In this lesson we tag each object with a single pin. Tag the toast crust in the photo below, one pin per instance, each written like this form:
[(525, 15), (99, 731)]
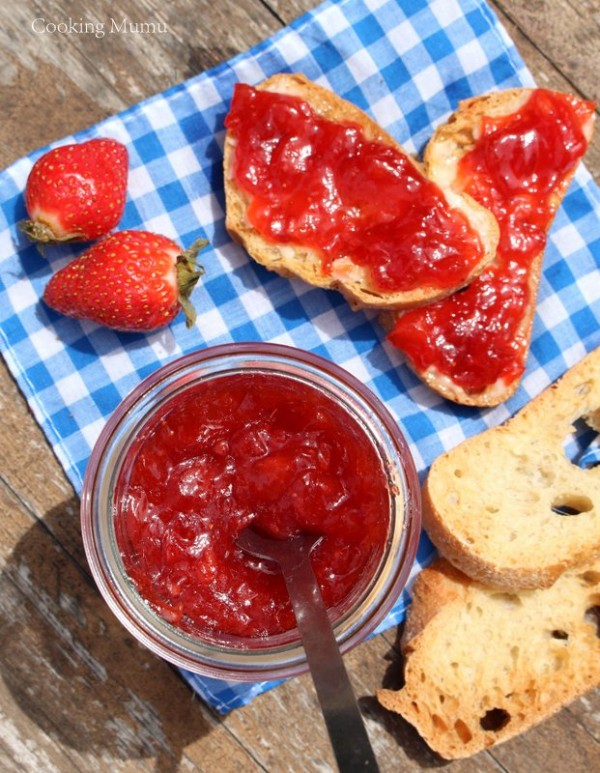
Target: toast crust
[(347, 277), (482, 666), (449, 144), (505, 527)]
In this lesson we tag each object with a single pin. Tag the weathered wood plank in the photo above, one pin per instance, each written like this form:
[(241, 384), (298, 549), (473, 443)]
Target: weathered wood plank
[(30, 469), (566, 32), (289, 10), (556, 745), (53, 84), (23, 747), (587, 712), (75, 684), (47, 90)]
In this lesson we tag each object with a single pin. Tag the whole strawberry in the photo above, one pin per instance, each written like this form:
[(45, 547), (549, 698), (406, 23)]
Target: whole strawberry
[(76, 192), (130, 280)]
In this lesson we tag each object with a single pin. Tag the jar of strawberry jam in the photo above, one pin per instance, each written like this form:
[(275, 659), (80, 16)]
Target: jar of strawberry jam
[(240, 435)]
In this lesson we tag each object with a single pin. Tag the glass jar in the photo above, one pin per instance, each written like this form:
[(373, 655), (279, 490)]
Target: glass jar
[(227, 656)]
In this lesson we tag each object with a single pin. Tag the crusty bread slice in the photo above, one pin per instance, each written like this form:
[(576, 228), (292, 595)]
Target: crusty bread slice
[(351, 279), (482, 666), (448, 145), (508, 507)]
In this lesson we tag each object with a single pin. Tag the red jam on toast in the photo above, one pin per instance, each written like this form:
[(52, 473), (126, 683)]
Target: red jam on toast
[(322, 185), (477, 337)]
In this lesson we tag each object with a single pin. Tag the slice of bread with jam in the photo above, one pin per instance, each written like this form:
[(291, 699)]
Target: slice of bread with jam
[(515, 152), (315, 189)]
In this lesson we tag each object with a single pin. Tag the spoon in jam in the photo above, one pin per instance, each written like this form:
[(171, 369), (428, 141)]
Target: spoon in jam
[(347, 732)]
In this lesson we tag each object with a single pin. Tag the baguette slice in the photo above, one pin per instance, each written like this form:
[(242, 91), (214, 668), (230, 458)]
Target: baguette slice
[(507, 506), (486, 373), (350, 278), (482, 666)]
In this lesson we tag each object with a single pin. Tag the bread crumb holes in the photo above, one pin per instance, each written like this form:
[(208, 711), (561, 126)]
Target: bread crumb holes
[(462, 731), (590, 577), (592, 616), (572, 504), (511, 600), (494, 720)]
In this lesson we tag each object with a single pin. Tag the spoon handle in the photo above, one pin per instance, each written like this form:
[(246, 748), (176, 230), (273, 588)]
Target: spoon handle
[(347, 732)]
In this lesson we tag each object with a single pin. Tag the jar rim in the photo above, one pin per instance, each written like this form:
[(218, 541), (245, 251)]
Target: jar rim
[(283, 655)]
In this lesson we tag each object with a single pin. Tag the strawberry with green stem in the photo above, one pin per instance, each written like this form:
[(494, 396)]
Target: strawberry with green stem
[(130, 280), (76, 192)]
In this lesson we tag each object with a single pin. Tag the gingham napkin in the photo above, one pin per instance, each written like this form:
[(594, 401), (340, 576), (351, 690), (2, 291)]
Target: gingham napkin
[(407, 63)]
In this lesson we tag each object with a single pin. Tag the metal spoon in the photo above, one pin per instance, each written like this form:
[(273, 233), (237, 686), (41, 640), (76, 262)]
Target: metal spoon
[(343, 719)]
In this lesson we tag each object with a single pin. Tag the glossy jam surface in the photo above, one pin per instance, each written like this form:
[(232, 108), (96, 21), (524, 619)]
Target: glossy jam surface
[(475, 336), (323, 185), (247, 448)]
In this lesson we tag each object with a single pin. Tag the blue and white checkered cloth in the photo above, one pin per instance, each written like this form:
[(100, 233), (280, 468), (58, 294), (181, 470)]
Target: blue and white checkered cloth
[(407, 63)]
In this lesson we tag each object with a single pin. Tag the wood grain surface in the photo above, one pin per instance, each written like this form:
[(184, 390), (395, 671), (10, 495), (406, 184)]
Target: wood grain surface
[(76, 692)]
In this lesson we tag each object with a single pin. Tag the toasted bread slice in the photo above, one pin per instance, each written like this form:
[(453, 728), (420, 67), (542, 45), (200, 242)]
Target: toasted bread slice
[(355, 281), (465, 353), (481, 666), (508, 507)]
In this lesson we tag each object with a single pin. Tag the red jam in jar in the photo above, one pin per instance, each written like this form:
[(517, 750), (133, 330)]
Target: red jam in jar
[(517, 168), (323, 185), (247, 448)]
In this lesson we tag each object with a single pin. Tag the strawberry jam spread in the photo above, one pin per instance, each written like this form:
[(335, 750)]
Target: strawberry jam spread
[(247, 448), (323, 185), (516, 169)]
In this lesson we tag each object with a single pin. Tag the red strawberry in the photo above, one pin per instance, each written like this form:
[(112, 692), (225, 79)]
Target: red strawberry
[(131, 280), (76, 192)]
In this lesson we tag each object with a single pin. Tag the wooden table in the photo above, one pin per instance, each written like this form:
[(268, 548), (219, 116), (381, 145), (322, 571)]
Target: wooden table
[(76, 692)]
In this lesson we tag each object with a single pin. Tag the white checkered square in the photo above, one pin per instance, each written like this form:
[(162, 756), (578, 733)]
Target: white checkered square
[(334, 20), (386, 111), (362, 66), (552, 311), (162, 116), (212, 325), (404, 38), (91, 432), (140, 182), (428, 82), (44, 339), (471, 57), (72, 387), (184, 162), (23, 296), (118, 364)]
